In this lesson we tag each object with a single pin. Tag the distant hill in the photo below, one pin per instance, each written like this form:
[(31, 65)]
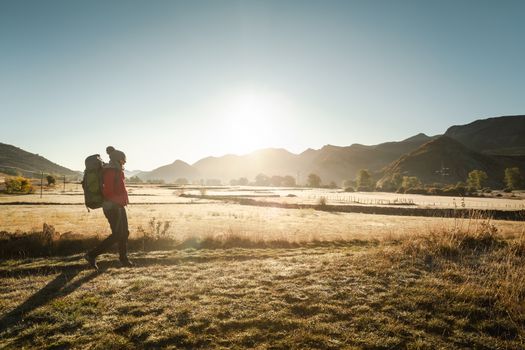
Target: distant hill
[(130, 173), (270, 161), (170, 172), (331, 163), (499, 136), (489, 144), (459, 160), (28, 164), (339, 163)]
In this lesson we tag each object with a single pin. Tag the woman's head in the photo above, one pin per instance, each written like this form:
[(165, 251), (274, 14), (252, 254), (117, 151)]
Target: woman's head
[(115, 155)]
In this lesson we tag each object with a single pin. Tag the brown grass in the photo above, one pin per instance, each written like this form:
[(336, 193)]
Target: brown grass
[(461, 287)]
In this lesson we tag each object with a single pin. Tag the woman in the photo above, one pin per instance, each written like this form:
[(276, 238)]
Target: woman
[(115, 199)]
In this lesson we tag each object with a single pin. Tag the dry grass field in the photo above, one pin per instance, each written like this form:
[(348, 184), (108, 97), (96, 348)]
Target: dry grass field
[(267, 278)]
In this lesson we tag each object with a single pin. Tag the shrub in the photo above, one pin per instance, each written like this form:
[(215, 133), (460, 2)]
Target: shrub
[(416, 190), (321, 201), (411, 182), (262, 180), (181, 181), (513, 178), (332, 184), (135, 179), (18, 185), (507, 190), (314, 180), (289, 181), (435, 191), (50, 180), (364, 179), (457, 190), (476, 179)]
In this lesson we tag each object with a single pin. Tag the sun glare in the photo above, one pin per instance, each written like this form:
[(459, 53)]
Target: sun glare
[(250, 120)]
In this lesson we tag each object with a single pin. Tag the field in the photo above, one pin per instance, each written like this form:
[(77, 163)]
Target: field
[(239, 276)]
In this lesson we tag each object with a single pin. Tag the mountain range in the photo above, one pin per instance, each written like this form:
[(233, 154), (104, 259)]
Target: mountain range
[(14, 160), (489, 144)]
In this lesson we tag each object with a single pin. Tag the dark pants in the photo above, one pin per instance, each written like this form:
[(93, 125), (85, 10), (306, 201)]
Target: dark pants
[(118, 220)]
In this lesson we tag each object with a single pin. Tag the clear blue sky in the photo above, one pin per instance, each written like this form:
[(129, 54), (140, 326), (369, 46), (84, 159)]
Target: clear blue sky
[(166, 80)]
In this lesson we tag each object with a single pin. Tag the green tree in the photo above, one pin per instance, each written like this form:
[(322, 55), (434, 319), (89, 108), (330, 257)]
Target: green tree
[(364, 180), (397, 180), (314, 180), (50, 180), (393, 183), (135, 179), (18, 185), (410, 182), (476, 179), (513, 178)]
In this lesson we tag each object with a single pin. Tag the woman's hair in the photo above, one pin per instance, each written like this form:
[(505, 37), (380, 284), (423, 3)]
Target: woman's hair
[(114, 154)]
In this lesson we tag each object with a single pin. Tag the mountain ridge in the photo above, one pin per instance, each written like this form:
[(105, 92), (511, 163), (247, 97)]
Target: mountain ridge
[(499, 139), (15, 159)]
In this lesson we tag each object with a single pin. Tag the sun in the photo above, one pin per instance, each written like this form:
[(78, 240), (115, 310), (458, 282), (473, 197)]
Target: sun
[(250, 120), (250, 108)]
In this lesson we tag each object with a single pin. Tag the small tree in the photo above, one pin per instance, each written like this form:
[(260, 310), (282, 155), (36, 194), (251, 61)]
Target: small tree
[(277, 180), (512, 178), (289, 181), (476, 179), (181, 181), (410, 182), (349, 184), (135, 179), (314, 180), (262, 180), (363, 180), (18, 185), (393, 183), (397, 180), (243, 181), (50, 180)]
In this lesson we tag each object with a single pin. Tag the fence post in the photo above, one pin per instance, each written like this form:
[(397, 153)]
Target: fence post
[(41, 183)]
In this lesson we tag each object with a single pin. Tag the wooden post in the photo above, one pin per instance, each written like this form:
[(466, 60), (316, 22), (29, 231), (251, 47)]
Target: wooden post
[(64, 183), (41, 183)]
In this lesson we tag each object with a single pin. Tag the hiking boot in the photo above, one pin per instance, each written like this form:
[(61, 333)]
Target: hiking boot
[(92, 261), (126, 263)]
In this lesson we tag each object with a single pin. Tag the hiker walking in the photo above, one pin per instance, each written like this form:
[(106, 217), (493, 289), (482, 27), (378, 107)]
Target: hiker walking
[(115, 199)]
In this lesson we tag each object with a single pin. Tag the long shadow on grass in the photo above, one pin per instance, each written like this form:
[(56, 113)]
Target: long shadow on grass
[(212, 252), (58, 287)]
